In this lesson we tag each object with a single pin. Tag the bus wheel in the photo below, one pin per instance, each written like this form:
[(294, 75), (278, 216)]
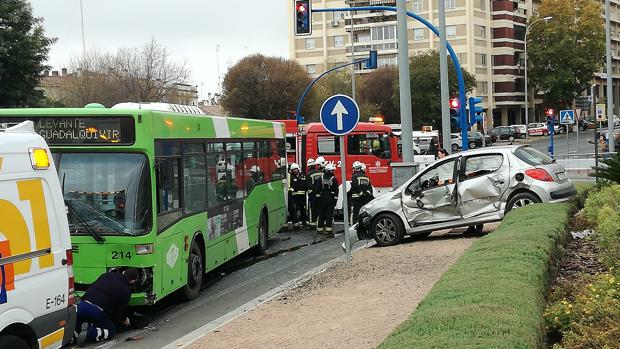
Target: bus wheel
[(262, 234), (13, 342), (195, 272)]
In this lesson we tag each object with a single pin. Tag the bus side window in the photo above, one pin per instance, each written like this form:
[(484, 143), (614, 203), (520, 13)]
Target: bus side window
[(194, 178), (216, 174), (168, 192)]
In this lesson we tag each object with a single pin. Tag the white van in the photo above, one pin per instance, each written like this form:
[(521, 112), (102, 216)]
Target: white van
[(36, 275)]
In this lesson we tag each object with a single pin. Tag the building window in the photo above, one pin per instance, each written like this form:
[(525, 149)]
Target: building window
[(383, 33), (311, 69), (481, 59), (450, 4), (418, 34), (483, 87), (483, 4), (310, 44), (481, 31), (418, 6), (362, 37), (339, 41), (383, 61), (450, 30)]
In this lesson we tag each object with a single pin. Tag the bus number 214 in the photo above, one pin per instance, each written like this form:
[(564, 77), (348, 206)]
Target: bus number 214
[(121, 255)]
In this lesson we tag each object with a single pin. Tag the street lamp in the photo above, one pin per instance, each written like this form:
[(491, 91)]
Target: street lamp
[(527, 106)]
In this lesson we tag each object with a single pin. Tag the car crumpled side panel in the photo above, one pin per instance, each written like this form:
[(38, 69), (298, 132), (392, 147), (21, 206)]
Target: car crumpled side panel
[(435, 206), (483, 194)]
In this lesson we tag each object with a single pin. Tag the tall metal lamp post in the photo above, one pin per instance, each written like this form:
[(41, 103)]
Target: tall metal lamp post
[(527, 106)]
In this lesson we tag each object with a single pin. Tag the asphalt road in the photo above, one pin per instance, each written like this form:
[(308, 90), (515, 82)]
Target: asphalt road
[(171, 320)]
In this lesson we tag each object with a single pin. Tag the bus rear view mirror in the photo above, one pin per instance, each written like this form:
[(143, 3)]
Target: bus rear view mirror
[(165, 173)]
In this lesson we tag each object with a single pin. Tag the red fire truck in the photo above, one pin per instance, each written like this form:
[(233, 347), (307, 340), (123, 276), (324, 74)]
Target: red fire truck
[(372, 144)]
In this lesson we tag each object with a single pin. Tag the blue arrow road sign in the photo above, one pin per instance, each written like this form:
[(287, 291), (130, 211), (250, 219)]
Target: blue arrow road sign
[(567, 117), (340, 114)]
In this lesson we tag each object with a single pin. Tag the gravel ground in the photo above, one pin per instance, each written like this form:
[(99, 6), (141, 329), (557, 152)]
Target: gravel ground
[(352, 305)]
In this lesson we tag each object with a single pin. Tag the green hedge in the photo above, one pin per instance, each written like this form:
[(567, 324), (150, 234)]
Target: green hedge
[(494, 295)]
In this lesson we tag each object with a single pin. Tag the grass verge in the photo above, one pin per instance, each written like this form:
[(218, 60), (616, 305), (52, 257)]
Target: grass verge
[(494, 295)]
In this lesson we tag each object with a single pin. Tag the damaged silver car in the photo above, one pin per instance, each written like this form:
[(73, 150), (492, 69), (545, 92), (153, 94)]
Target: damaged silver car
[(465, 190)]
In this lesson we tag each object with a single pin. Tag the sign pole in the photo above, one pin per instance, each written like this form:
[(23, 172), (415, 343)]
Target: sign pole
[(339, 115), (345, 204)]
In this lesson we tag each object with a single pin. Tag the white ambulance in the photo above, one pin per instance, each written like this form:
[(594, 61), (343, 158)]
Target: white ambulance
[(36, 275)]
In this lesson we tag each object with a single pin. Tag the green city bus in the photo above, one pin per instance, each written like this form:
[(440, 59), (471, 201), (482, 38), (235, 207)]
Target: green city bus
[(163, 188)]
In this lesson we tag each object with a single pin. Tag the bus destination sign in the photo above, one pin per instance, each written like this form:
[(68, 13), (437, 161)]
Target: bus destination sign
[(69, 130)]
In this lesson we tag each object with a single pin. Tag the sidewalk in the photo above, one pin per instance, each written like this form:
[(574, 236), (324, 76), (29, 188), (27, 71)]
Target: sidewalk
[(345, 305)]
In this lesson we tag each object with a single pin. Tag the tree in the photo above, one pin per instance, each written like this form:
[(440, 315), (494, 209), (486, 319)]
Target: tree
[(426, 88), (146, 73), (143, 74), (261, 87), (566, 51), (377, 89), (23, 51)]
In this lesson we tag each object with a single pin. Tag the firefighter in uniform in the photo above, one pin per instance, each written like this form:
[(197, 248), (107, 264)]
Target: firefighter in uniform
[(297, 192), (361, 189), (310, 169), (315, 172), (326, 189)]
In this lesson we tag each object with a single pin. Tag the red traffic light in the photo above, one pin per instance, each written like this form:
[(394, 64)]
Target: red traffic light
[(549, 112), (301, 7), (454, 103)]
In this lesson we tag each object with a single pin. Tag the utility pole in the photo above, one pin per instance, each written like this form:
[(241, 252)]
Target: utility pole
[(443, 73), (352, 54), (217, 62), (82, 20), (404, 82), (610, 89)]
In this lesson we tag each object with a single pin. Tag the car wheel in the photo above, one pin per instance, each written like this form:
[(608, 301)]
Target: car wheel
[(13, 342), (523, 136), (521, 200), (511, 139), (195, 272), (545, 133), (455, 148), (472, 145), (387, 230)]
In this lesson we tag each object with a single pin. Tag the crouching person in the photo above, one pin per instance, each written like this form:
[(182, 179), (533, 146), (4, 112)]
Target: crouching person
[(104, 304)]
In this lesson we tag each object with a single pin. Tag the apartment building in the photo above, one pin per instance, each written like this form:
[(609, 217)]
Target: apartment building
[(487, 36)]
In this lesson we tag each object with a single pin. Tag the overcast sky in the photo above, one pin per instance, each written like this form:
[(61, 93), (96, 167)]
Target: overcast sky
[(189, 29)]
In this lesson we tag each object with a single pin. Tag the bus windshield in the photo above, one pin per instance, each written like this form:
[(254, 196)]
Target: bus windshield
[(106, 193)]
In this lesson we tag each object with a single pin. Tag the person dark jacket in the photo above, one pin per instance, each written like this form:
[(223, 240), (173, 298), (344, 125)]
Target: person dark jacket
[(326, 188), (111, 293), (361, 187)]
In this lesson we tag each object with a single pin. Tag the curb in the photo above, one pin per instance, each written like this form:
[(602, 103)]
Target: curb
[(202, 331)]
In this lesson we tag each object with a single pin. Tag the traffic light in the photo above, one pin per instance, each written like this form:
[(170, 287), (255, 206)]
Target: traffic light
[(475, 112), (549, 112), (303, 17), (455, 112), (454, 103), (371, 62)]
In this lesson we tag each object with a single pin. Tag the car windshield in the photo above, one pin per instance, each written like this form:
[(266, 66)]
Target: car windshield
[(105, 193), (532, 156)]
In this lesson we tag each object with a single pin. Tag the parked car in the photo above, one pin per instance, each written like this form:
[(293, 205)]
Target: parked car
[(537, 129), (522, 130), (465, 190), (509, 133), (456, 142), (586, 125)]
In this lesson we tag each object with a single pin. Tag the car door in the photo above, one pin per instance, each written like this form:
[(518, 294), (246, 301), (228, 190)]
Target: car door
[(431, 197), (482, 180)]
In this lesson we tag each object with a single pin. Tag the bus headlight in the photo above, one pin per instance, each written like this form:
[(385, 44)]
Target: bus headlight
[(144, 249)]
